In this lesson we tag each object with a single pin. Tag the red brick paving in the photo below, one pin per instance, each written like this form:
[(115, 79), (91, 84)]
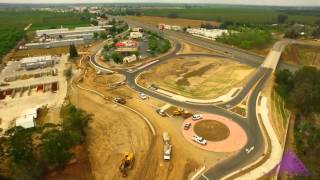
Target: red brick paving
[(236, 140)]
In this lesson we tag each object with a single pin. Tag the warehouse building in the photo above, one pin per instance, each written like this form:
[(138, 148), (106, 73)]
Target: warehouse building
[(37, 62), (57, 43)]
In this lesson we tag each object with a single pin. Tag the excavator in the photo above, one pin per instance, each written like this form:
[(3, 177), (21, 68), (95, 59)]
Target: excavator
[(126, 163), (182, 112)]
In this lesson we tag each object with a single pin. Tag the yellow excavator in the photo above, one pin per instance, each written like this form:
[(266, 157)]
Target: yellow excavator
[(126, 163)]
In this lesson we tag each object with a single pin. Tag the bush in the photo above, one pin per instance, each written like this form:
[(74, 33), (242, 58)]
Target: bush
[(248, 38)]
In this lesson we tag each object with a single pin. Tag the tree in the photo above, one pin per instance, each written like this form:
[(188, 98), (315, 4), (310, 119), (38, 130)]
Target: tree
[(94, 22), (95, 35), (282, 18), (292, 33), (103, 35), (117, 57), (173, 15), (55, 148), (68, 73), (73, 51)]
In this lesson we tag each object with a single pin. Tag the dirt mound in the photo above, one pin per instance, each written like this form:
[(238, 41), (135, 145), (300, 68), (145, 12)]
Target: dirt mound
[(211, 130)]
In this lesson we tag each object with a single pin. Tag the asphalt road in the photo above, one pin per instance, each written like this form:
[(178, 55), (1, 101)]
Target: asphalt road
[(249, 124)]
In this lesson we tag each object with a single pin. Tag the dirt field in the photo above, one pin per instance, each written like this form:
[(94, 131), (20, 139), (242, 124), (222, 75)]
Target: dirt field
[(202, 78), (211, 130), (302, 55), (115, 130), (190, 48), (176, 21)]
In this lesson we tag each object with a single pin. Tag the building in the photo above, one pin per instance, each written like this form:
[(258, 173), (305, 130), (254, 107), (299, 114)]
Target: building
[(137, 29), (58, 43), (47, 31), (207, 33), (129, 59), (127, 44), (176, 28), (136, 35), (161, 27), (28, 118), (37, 62)]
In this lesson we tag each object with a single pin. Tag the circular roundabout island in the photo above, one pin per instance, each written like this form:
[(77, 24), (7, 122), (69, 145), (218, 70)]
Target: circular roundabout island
[(221, 134)]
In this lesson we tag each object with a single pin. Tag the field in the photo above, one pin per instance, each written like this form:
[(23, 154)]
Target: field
[(236, 14), (12, 24), (177, 21), (198, 77), (302, 55)]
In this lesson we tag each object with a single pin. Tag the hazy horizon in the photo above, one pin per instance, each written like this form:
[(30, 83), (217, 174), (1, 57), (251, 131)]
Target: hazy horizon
[(230, 2)]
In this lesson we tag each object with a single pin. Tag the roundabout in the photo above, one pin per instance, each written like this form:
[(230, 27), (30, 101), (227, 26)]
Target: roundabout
[(222, 134)]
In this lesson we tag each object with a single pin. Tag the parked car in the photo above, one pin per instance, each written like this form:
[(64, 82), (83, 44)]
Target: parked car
[(187, 126), (161, 112), (197, 117), (143, 96), (119, 100), (199, 140)]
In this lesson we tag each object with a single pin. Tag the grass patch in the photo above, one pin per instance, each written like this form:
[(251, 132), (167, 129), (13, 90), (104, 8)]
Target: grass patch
[(238, 14)]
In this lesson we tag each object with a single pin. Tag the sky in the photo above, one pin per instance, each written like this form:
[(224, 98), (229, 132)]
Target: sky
[(244, 2)]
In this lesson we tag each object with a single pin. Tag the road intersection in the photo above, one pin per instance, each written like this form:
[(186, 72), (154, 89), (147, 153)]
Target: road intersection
[(251, 90)]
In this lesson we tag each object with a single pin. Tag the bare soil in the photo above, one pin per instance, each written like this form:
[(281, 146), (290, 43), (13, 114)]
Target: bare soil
[(176, 21), (198, 77), (115, 130), (306, 55), (211, 130), (190, 48)]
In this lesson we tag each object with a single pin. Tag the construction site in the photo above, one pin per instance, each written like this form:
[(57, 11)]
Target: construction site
[(31, 82)]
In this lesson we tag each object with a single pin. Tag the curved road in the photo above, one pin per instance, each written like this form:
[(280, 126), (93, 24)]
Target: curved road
[(249, 124)]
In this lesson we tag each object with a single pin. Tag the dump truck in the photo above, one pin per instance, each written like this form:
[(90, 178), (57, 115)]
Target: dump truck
[(167, 147), (126, 163)]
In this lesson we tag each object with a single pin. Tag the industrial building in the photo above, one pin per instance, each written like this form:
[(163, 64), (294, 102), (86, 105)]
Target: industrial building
[(58, 43), (207, 33), (37, 62)]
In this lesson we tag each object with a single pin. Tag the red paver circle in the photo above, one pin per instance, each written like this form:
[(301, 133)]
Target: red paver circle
[(236, 140)]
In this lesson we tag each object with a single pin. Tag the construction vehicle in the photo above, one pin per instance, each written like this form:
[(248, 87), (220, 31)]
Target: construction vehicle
[(182, 112), (119, 100), (126, 163), (166, 146)]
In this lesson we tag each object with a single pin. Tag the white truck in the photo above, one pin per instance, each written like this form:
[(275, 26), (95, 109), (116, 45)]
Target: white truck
[(166, 147)]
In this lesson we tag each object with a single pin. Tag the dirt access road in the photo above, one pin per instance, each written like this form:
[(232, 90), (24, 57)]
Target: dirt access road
[(115, 130)]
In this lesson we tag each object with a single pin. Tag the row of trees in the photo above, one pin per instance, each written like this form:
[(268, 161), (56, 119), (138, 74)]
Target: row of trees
[(248, 38), (30, 153), (301, 90)]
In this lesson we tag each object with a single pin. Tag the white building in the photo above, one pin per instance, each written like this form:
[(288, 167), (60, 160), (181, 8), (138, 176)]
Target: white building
[(28, 118), (56, 43), (176, 28), (136, 35), (130, 59), (46, 31), (207, 33), (137, 29), (37, 62)]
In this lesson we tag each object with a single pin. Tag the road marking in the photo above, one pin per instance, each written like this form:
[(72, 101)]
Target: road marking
[(205, 177), (197, 173)]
